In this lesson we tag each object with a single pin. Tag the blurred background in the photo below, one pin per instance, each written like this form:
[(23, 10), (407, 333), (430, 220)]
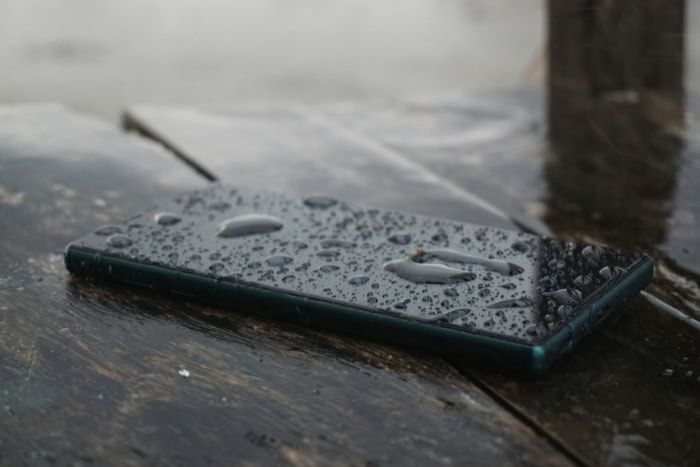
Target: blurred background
[(101, 55)]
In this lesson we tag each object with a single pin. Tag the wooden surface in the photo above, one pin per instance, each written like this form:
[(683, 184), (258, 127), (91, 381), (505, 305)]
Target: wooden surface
[(95, 373), (630, 394)]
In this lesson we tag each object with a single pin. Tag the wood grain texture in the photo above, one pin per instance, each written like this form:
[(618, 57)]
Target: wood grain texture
[(99, 373), (629, 394)]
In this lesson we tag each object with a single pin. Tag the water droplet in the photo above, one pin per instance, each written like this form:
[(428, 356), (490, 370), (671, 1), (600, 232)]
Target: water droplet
[(248, 224), (400, 239), (320, 202), (521, 246), (358, 280), (451, 292), (556, 264), (565, 296), (216, 267), (328, 253), (484, 292), (508, 286), (453, 256), (592, 253), (427, 273), (611, 273), (439, 237), (119, 241), (451, 316), (329, 268), (583, 281), (288, 278), (167, 218), (333, 243), (278, 260), (523, 302)]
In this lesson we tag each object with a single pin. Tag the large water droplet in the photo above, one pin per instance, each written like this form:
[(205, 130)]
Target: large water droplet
[(523, 302), (427, 273), (248, 224), (320, 202), (400, 239), (119, 241), (329, 268), (279, 260), (167, 218), (452, 256)]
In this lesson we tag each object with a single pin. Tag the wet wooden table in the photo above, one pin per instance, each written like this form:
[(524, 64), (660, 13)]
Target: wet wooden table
[(93, 372)]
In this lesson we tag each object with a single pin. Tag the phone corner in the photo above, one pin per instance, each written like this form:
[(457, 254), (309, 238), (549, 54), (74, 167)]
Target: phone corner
[(540, 359)]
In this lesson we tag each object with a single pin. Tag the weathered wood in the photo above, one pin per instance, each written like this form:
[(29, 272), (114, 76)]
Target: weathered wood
[(626, 396), (93, 372)]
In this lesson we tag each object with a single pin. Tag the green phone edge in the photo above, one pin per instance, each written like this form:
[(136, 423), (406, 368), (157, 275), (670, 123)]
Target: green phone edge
[(473, 348)]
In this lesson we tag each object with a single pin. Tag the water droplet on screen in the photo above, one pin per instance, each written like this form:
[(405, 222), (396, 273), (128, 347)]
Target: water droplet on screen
[(427, 273), (167, 218), (451, 292), (216, 267), (523, 302), (328, 253), (611, 273), (451, 316), (565, 296), (400, 239), (329, 268), (358, 280), (592, 253), (337, 244), (248, 224), (278, 260), (119, 241), (320, 202), (583, 281), (520, 246), (453, 256), (108, 230)]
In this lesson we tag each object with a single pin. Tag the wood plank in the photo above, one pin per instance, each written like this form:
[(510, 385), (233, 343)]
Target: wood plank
[(628, 395), (99, 373)]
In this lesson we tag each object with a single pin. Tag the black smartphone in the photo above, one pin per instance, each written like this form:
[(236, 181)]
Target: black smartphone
[(502, 298)]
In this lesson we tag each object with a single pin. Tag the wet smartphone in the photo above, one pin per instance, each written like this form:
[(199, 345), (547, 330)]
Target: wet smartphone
[(500, 298)]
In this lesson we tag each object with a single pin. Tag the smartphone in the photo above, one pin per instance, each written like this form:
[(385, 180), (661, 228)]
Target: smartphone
[(505, 299)]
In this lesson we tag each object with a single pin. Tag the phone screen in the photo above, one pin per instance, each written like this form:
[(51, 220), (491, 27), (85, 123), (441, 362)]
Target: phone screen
[(478, 279)]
